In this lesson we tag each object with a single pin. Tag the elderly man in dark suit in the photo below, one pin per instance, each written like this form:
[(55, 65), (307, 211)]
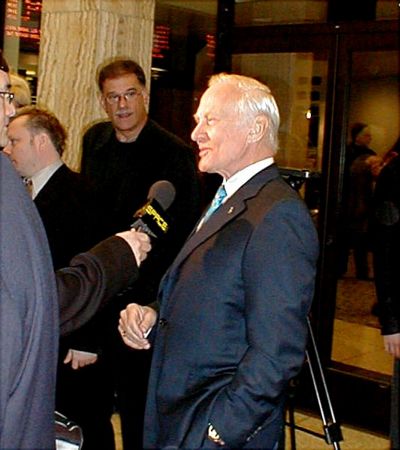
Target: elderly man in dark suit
[(231, 329)]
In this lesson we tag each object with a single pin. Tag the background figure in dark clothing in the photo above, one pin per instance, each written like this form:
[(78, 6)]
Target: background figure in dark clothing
[(36, 144), (363, 173), (122, 158), (386, 233), (356, 197)]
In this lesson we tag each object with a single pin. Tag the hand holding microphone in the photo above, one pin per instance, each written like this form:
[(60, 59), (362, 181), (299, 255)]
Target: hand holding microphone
[(151, 220), (139, 243)]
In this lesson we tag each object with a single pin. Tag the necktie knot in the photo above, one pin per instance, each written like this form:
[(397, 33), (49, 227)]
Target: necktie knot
[(216, 203)]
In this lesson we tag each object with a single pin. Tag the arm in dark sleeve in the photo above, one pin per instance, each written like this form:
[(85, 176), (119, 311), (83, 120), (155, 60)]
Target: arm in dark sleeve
[(387, 247), (92, 279)]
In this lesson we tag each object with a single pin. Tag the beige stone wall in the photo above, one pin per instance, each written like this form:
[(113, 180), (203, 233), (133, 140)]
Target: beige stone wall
[(77, 36)]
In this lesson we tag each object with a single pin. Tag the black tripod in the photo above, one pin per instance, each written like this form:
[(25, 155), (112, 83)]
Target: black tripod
[(332, 433)]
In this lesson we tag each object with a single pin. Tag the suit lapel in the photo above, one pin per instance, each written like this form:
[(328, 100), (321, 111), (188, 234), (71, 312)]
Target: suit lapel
[(232, 208)]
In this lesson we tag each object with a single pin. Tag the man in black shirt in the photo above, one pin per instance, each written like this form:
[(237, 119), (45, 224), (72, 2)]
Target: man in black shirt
[(122, 158)]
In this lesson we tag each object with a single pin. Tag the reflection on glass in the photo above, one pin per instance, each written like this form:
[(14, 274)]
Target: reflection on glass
[(298, 82), (373, 127)]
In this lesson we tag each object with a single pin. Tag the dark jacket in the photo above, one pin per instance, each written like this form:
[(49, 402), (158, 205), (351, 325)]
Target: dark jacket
[(232, 323), (121, 175), (67, 209), (386, 233)]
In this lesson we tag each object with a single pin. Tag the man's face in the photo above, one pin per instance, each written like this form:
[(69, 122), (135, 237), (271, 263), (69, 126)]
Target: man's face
[(124, 100), (220, 133), (7, 109), (22, 148), (364, 137)]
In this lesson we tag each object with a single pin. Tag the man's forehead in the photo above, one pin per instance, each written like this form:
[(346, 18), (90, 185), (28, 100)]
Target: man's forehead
[(123, 79)]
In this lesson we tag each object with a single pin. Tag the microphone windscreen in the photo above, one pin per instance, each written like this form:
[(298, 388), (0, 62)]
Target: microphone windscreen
[(163, 192)]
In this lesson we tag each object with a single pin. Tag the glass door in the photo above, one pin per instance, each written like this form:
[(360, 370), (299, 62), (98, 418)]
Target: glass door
[(325, 78)]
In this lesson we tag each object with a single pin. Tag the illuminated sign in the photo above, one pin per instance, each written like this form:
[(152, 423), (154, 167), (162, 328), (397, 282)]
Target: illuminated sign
[(161, 41), (23, 20)]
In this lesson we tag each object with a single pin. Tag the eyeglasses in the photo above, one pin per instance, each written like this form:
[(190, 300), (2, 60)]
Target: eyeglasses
[(128, 96), (9, 96)]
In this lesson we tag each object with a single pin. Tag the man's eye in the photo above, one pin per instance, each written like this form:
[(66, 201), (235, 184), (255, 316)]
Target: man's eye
[(130, 94)]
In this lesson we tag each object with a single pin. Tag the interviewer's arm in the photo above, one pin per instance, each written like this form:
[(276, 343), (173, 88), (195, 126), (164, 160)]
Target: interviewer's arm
[(95, 277)]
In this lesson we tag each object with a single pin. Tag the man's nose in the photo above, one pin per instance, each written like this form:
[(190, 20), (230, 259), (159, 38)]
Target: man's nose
[(10, 109), (7, 149), (196, 132), (122, 100)]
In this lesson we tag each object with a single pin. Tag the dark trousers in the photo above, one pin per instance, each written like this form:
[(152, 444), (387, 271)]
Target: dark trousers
[(127, 387), (85, 396)]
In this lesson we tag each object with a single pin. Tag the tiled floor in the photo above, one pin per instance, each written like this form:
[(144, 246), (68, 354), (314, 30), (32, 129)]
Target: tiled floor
[(353, 344), (352, 439), (360, 346)]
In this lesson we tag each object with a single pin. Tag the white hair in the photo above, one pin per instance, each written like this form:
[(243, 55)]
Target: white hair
[(254, 98)]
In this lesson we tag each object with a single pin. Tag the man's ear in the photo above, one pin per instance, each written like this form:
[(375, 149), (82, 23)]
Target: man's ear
[(41, 139), (258, 129)]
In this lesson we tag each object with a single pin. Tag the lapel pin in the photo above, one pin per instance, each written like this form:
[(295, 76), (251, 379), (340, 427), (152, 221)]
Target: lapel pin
[(230, 210)]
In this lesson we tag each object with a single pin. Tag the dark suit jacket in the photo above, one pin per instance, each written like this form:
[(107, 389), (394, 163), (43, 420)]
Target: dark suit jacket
[(28, 321), (66, 207), (232, 322)]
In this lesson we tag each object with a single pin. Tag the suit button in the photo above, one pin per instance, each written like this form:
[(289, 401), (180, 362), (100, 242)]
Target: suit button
[(162, 322)]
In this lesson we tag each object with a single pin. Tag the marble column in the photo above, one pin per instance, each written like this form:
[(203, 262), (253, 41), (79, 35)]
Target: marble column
[(77, 36)]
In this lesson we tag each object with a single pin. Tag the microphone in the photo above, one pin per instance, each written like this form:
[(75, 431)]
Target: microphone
[(152, 218)]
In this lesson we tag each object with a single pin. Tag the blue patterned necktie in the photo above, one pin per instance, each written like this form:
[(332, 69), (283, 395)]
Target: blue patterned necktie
[(216, 203)]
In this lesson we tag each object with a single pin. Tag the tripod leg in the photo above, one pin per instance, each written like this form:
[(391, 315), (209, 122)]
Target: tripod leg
[(292, 428), (290, 411), (333, 434)]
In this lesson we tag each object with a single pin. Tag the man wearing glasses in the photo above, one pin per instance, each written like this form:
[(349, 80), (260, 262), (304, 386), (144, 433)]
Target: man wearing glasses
[(28, 308), (7, 107), (122, 158)]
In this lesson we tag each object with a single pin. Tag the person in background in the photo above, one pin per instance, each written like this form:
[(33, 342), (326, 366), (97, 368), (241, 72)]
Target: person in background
[(21, 90), (36, 144), (363, 174), (386, 251), (358, 181), (122, 158), (361, 139), (231, 329)]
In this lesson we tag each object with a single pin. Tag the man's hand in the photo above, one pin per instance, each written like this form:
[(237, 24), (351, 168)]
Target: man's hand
[(79, 359), (392, 344), (135, 323), (139, 243)]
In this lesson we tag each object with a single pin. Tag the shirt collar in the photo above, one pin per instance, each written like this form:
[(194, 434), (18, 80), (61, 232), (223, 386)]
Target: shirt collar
[(237, 180), (40, 178)]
